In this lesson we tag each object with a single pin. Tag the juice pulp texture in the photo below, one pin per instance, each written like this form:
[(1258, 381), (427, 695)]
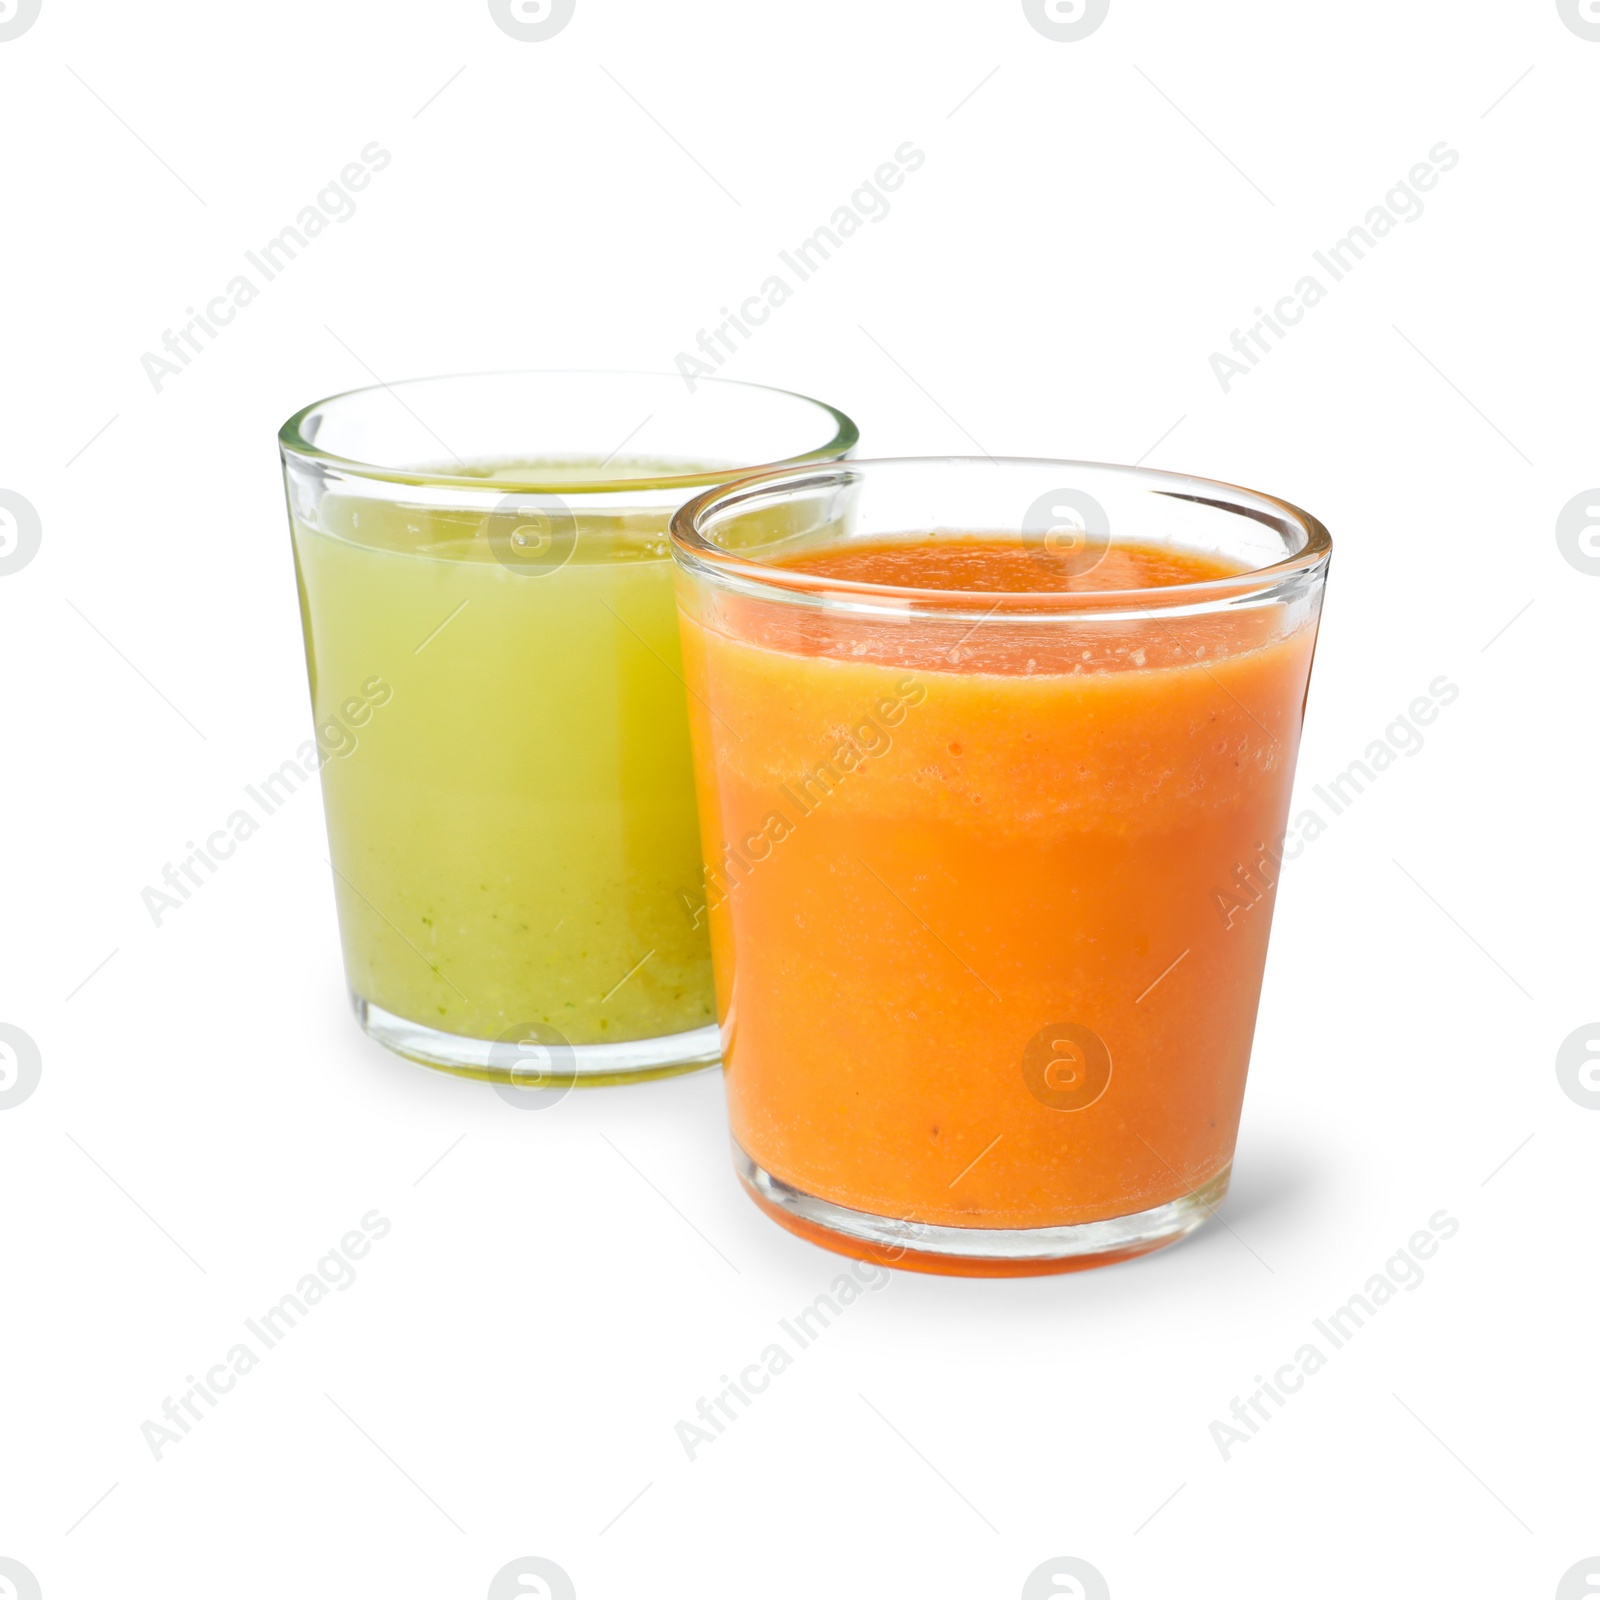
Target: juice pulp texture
[(512, 828), (943, 862)]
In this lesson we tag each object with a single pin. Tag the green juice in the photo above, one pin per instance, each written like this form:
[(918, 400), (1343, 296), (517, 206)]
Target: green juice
[(512, 827)]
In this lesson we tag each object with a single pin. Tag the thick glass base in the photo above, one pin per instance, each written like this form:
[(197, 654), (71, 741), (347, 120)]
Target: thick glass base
[(977, 1252), (576, 1065)]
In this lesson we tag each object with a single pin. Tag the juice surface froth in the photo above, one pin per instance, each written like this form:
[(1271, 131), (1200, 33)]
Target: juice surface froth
[(964, 878), (999, 566)]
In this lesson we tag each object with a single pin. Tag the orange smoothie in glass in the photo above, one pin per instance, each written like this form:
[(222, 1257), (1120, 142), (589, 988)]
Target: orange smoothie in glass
[(963, 891)]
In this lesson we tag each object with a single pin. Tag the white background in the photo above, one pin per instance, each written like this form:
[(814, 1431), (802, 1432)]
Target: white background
[(558, 1290)]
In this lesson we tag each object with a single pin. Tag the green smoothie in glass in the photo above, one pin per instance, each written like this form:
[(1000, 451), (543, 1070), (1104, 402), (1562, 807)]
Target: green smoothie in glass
[(512, 827)]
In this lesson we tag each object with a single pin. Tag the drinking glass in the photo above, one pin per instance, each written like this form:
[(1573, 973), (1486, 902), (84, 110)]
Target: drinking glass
[(991, 866), (487, 596)]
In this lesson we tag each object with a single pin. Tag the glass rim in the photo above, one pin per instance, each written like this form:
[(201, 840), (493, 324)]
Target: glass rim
[(292, 441), (696, 553)]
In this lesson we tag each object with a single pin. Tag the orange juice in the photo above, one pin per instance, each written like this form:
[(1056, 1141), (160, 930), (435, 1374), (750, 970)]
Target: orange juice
[(970, 968)]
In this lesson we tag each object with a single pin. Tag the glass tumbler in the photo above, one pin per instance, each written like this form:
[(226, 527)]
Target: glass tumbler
[(994, 762), (486, 591)]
